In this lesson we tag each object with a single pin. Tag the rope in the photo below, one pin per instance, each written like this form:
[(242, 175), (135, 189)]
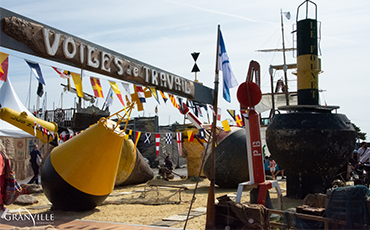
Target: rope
[(196, 185)]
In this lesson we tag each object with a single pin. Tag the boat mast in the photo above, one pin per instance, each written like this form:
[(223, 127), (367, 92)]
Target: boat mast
[(285, 66)]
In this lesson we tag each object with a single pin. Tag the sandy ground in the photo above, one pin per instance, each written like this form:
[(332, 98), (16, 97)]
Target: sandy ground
[(116, 208)]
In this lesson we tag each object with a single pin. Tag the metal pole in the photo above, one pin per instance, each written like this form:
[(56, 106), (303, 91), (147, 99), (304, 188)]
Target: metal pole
[(272, 112), (284, 67), (211, 215)]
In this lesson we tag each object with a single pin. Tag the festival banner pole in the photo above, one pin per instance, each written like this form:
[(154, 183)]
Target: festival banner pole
[(211, 215)]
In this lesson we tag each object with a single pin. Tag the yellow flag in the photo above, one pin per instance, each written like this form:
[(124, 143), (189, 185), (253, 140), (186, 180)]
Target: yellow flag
[(226, 125), (3, 57), (78, 84)]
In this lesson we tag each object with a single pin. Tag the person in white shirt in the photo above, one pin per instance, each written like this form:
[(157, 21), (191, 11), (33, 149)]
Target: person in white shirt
[(364, 153)]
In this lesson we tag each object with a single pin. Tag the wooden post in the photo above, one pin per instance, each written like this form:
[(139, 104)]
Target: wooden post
[(211, 215)]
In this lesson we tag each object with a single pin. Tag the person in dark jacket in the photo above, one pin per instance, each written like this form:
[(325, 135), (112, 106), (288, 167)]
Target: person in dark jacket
[(35, 167)]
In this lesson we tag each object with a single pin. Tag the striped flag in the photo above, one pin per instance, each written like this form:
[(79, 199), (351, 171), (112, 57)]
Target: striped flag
[(173, 100), (4, 63), (95, 84), (178, 138), (136, 140), (117, 91), (62, 74), (157, 141), (223, 64), (163, 96), (140, 93), (190, 136)]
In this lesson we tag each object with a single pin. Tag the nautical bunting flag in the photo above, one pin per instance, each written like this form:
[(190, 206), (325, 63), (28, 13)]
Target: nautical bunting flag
[(244, 113), (78, 84), (231, 112), (34, 128), (199, 111), (173, 100), (202, 133), (62, 74), (163, 96), (35, 67), (147, 138), (40, 90), (4, 63), (190, 136), (239, 121), (127, 89), (154, 93), (168, 138), (137, 137), (178, 138), (95, 84), (157, 141), (229, 79), (190, 104), (109, 100), (219, 114), (181, 107), (140, 93), (206, 109), (213, 111), (226, 125), (117, 91)]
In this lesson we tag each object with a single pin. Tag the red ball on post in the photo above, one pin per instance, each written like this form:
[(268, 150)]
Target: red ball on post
[(249, 94)]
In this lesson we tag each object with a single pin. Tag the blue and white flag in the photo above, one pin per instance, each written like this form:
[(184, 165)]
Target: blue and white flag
[(224, 65), (35, 67), (109, 100)]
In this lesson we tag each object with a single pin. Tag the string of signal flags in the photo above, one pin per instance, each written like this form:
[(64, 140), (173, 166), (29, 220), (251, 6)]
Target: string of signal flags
[(139, 95)]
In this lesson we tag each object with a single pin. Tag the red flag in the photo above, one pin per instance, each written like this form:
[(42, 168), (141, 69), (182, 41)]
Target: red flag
[(238, 121), (173, 100), (4, 63), (190, 136), (157, 140), (62, 74), (95, 84), (117, 91)]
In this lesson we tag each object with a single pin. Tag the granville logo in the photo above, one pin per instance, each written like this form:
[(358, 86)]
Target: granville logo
[(22, 214)]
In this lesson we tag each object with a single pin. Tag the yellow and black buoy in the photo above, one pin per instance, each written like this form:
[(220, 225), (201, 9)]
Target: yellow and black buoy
[(79, 174)]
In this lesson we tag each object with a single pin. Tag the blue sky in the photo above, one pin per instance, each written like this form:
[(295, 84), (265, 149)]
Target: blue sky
[(164, 33)]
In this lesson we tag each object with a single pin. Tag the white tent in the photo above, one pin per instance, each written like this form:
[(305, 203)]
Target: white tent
[(9, 99)]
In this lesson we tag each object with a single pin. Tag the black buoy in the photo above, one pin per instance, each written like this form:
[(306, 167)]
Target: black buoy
[(231, 161), (310, 142)]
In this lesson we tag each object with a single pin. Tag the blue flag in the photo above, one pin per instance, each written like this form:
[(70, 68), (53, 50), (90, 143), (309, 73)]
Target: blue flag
[(227, 73), (36, 70)]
